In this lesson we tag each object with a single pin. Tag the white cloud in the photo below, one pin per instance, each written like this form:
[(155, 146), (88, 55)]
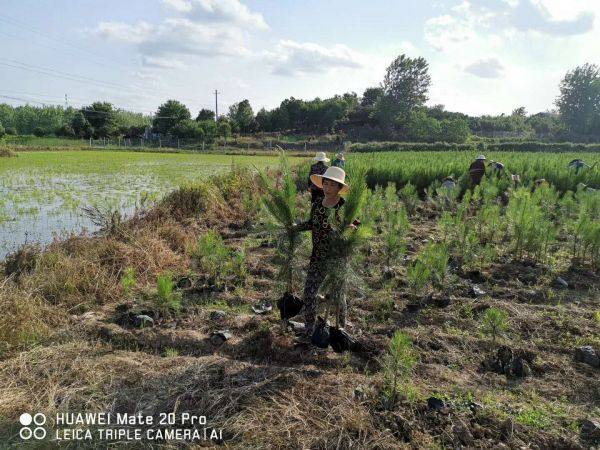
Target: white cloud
[(162, 63), (486, 68), (443, 31), (535, 17), (124, 32), (228, 11), (290, 58), (163, 46)]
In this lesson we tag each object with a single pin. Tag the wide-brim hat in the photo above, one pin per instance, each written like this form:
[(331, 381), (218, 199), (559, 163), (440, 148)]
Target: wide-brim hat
[(481, 157), (321, 156), (332, 173)]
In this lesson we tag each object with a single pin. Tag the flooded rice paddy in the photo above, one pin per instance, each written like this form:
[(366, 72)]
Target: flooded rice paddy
[(42, 193)]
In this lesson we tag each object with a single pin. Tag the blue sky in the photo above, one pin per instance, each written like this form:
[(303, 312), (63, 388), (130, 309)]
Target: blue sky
[(486, 56)]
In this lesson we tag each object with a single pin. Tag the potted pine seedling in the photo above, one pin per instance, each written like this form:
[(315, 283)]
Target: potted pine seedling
[(280, 202), (344, 242)]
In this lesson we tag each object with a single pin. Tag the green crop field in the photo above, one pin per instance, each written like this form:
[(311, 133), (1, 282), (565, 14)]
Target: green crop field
[(43, 192), (424, 168)]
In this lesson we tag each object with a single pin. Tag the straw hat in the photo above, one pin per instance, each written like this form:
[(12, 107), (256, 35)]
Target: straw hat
[(340, 155), (321, 156), (480, 157), (334, 174)]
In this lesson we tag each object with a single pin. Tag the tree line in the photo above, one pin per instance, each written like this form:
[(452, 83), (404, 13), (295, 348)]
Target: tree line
[(394, 110)]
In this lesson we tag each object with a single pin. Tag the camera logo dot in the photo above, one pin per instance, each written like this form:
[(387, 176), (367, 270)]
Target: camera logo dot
[(39, 432), (25, 419)]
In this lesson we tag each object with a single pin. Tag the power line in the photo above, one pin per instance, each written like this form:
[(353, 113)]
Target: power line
[(24, 26), (92, 111), (77, 78)]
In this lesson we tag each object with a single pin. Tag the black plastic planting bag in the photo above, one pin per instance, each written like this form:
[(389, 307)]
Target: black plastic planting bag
[(289, 305), (340, 340), (320, 336)]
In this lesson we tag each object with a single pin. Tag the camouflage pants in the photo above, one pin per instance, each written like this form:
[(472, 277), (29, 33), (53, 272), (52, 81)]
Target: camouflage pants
[(314, 279)]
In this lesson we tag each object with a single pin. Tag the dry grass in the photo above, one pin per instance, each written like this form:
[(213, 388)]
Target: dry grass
[(26, 320), (7, 153)]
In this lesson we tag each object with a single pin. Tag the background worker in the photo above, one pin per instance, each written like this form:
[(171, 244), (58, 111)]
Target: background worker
[(339, 161), (318, 168), (477, 170)]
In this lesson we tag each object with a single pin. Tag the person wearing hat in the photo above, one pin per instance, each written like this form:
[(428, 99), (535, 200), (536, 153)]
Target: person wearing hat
[(449, 183), (477, 170), (339, 161), (318, 168), (332, 183)]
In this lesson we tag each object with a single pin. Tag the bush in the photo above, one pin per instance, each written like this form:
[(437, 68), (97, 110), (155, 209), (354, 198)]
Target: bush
[(65, 130), (11, 131), (39, 132), (2, 131)]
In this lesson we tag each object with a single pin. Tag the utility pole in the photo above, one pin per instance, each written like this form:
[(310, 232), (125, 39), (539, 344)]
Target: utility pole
[(66, 101), (216, 106)]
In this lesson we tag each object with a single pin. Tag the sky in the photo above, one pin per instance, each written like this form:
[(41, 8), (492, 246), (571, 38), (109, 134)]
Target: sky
[(485, 56)]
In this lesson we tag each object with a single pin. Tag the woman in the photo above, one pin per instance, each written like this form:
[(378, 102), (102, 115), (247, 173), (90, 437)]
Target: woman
[(332, 182)]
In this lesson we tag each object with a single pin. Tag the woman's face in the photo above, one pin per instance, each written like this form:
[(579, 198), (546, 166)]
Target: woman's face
[(331, 188)]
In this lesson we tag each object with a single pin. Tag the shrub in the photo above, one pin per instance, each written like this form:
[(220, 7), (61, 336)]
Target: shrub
[(11, 131), (39, 132), (397, 366), (2, 131), (21, 261), (494, 322)]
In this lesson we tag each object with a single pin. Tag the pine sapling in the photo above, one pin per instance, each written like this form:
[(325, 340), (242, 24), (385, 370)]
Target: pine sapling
[(494, 322), (397, 365)]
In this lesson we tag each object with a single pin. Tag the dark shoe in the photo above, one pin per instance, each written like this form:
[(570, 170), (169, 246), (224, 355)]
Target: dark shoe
[(289, 306), (320, 335), (340, 340)]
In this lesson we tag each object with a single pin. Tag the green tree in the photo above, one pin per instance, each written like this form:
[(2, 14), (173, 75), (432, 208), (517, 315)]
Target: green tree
[(81, 126), (205, 114), (422, 128), (264, 120), (579, 99), (188, 129), (168, 115), (2, 131), (370, 96), (224, 129), (242, 116), (406, 82), (101, 116), (454, 130)]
